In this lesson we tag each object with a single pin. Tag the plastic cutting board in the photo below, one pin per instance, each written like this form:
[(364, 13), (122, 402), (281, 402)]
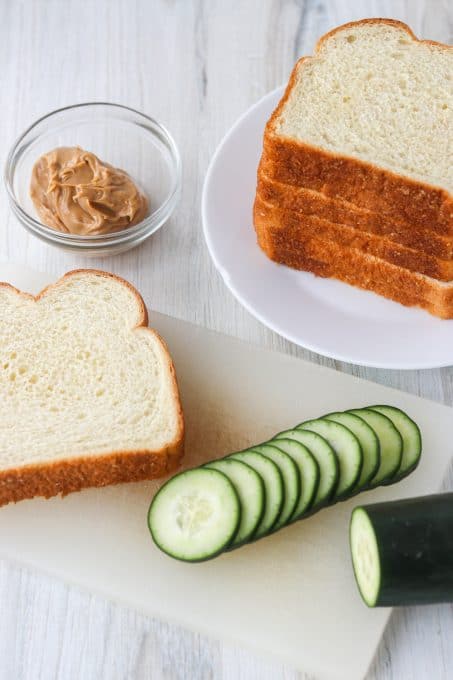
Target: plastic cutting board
[(291, 595)]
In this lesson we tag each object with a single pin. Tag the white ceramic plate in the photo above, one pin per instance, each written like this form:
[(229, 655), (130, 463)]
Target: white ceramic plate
[(323, 315)]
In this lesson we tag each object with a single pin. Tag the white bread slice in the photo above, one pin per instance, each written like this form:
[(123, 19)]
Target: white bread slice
[(316, 204), (369, 118), (88, 392), (292, 225), (329, 259)]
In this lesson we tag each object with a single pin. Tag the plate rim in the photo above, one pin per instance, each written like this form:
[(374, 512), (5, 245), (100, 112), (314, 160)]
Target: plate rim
[(268, 323)]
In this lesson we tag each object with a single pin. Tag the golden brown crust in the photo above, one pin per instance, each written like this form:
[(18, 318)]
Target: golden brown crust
[(309, 202), (73, 474), (67, 476), (367, 186), (364, 184), (330, 260), (379, 20), (294, 225)]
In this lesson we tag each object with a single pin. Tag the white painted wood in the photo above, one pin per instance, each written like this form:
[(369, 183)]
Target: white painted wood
[(195, 66)]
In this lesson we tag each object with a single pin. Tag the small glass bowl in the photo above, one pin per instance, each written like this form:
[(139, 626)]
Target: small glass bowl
[(119, 135)]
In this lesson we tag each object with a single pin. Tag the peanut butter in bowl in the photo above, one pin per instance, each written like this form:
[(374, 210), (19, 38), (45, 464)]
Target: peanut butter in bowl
[(75, 192)]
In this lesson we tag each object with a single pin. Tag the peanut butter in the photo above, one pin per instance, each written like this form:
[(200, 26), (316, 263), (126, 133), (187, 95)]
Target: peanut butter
[(75, 192)]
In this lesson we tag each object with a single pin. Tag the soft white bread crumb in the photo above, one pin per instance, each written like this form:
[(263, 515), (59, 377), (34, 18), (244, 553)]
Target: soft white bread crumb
[(77, 378), (375, 93)]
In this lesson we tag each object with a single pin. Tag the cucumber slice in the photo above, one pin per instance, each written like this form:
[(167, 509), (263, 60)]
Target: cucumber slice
[(195, 515), (390, 442), (273, 488), (324, 456), (402, 551), (309, 474), (347, 448), (368, 441), (291, 480), (411, 435), (250, 489)]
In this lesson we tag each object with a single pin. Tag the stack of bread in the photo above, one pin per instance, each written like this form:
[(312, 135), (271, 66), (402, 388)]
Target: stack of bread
[(356, 175)]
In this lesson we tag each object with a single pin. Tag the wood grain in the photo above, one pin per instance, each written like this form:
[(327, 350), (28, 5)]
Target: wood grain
[(195, 66)]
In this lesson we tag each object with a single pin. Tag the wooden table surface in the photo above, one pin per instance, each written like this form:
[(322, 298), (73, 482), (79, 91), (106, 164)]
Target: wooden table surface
[(195, 66)]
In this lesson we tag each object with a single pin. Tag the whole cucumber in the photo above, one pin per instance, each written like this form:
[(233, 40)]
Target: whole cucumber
[(402, 551)]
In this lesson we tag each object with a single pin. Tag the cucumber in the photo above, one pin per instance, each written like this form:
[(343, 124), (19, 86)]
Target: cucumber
[(195, 515), (347, 448), (273, 488), (410, 433), (368, 441), (324, 456), (402, 551), (390, 442), (291, 480), (247, 495), (250, 489), (309, 474)]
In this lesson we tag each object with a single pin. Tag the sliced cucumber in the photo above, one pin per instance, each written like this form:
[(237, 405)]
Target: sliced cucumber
[(309, 474), (411, 435), (390, 442), (247, 495), (250, 489), (324, 456), (195, 515), (347, 448), (291, 480), (368, 441), (273, 487)]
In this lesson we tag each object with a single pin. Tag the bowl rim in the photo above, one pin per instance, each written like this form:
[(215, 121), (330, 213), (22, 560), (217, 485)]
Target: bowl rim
[(150, 223)]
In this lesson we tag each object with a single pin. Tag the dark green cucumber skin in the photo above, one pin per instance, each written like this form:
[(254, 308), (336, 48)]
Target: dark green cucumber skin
[(415, 542), (402, 473), (196, 560), (275, 442), (364, 486), (389, 479), (231, 545)]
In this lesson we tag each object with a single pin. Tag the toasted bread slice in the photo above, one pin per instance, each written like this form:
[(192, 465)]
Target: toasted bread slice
[(88, 392), (294, 225), (369, 119)]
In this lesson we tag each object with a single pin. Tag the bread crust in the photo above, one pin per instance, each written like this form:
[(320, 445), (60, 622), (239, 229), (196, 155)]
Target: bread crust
[(360, 182), (75, 473), (293, 225), (66, 476), (309, 202), (330, 260)]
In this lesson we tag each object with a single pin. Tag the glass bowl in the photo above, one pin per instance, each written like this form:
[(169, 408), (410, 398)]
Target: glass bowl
[(119, 135)]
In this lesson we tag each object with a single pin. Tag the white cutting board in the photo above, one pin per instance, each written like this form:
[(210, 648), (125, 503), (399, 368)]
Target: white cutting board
[(293, 594)]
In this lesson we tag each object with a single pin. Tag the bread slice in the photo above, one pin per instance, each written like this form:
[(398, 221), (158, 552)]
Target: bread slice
[(88, 392), (369, 119), (309, 202), (330, 260), (293, 225)]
